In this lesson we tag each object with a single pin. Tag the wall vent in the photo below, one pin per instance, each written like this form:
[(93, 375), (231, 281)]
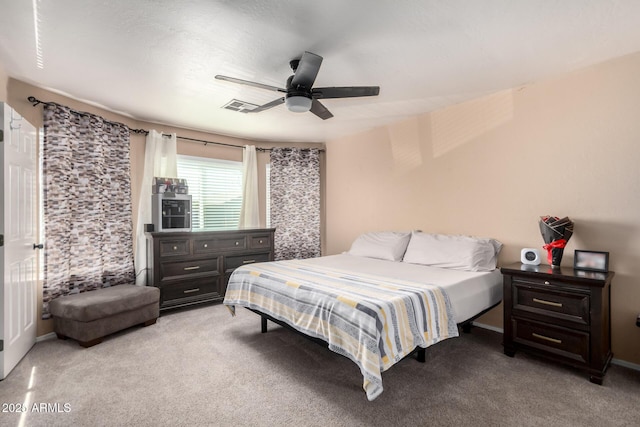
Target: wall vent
[(240, 106)]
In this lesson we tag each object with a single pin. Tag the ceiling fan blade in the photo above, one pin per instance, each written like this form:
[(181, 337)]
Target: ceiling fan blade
[(307, 70), (320, 110), (248, 83), (345, 92), (266, 106)]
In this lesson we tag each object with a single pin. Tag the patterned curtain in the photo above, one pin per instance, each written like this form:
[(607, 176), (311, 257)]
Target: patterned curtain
[(87, 204), (295, 202)]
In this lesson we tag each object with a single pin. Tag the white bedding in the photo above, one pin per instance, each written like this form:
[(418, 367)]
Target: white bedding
[(470, 292)]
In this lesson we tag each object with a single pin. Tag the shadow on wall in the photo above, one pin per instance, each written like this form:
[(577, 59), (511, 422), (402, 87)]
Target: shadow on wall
[(405, 145), (454, 126)]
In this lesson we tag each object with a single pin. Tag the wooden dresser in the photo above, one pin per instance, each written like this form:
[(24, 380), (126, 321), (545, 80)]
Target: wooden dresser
[(194, 267), (562, 314)]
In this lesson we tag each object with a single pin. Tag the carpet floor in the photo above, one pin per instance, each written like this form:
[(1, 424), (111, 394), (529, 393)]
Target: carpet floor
[(203, 367)]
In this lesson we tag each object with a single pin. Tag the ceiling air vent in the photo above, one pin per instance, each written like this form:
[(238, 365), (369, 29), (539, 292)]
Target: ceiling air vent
[(240, 106)]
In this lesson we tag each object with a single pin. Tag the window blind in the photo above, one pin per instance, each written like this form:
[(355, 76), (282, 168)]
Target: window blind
[(216, 190)]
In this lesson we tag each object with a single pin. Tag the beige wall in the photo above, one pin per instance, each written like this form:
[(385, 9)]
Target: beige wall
[(490, 167), (17, 93), (4, 81)]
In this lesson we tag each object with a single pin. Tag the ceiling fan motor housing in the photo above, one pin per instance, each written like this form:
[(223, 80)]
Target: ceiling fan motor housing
[(298, 99)]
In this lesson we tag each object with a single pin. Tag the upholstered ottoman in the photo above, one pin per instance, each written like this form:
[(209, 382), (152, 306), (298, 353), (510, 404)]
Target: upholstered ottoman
[(89, 316)]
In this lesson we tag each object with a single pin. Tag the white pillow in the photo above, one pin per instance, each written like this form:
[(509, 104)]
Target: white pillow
[(455, 252), (389, 245)]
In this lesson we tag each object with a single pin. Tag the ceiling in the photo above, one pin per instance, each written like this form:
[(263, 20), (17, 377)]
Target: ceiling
[(155, 60)]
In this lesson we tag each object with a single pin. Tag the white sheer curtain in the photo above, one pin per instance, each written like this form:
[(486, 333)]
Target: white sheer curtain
[(249, 214), (160, 159)]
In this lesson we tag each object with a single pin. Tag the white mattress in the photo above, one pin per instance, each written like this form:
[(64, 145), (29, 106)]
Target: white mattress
[(470, 292)]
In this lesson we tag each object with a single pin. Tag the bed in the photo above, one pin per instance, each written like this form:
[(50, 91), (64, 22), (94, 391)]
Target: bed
[(374, 310)]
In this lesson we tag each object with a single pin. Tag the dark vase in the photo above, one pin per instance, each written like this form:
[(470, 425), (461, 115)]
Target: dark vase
[(556, 256)]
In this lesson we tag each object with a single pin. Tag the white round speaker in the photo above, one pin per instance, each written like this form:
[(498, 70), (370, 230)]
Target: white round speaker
[(530, 256)]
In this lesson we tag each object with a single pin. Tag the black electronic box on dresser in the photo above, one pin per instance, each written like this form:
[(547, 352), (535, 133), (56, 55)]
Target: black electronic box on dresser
[(559, 313), (194, 267)]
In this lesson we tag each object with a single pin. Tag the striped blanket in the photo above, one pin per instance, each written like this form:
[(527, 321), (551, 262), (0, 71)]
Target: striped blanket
[(374, 321)]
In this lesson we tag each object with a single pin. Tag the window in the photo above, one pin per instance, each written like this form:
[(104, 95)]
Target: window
[(216, 190)]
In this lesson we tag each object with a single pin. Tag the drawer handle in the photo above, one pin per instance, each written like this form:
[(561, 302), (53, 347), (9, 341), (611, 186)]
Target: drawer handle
[(237, 243), (195, 267), (546, 282), (205, 246), (188, 291), (260, 241), (175, 248), (545, 302), (248, 261), (542, 337)]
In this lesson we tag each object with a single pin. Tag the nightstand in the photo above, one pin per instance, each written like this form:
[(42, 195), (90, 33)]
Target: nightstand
[(561, 314)]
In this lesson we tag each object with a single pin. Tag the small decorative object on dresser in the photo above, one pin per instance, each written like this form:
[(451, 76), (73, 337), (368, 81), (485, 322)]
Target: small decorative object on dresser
[(530, 256), (194, 267), (591, 261), (559, 313), (556, 233)]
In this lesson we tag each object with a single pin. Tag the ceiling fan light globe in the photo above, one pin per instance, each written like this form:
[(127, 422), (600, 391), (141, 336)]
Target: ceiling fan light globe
[(298, 104)]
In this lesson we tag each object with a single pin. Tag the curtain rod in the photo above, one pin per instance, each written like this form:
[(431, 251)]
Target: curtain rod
[(34, 101), (237, 146)]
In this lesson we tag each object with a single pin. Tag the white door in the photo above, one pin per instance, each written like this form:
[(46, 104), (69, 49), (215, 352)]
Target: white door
[(18, 226)]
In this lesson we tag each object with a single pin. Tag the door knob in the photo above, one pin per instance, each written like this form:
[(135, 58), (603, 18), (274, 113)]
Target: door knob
[(38, 246)]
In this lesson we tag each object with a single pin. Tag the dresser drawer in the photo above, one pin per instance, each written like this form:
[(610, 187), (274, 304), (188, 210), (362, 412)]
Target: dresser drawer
[(174, 247), (560, 341), (181, 269), (260, 242), (204, 246), (196, 289), (217, 244), (233, 262), (551, 301)]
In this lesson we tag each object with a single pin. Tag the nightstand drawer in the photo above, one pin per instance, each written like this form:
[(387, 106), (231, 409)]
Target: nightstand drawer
[(233, 262), (172, 270), (551, 301), (563, 342), (174, 247)]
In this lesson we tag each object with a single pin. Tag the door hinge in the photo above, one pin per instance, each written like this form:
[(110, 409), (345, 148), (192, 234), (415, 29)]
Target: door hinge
[(1, 135), (1, 239), (1, 345)]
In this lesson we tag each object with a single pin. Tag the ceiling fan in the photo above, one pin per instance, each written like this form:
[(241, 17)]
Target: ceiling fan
[(300, 95)]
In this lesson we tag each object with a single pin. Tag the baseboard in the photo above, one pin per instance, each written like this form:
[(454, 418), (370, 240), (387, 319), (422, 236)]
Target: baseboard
[(625, 364), (614, 361), (489, 327), (44, 337)]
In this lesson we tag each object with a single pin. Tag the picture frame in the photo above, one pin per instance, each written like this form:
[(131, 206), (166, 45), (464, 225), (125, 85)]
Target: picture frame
[(591, 261)]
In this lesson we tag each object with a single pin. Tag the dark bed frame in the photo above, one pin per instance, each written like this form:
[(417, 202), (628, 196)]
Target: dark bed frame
[(418, 351)]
